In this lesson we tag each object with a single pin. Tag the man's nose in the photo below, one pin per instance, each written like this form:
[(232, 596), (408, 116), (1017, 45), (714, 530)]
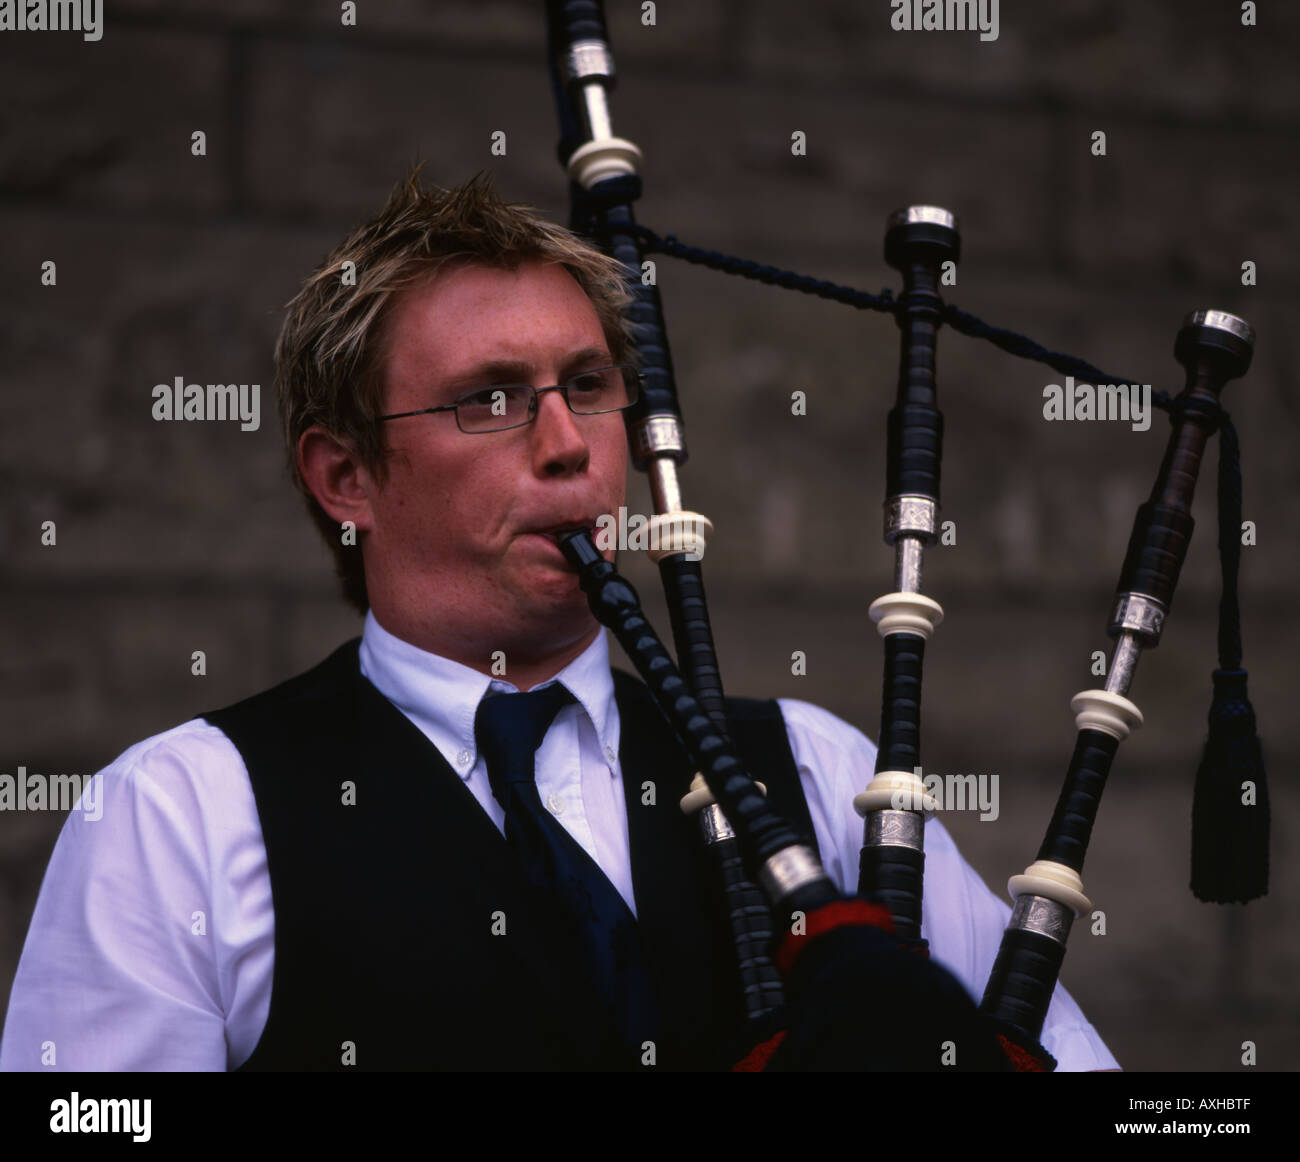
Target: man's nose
[(560, 444)]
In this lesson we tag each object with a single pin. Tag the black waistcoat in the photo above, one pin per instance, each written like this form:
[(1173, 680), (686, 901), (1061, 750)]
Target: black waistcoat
[(392, 887)]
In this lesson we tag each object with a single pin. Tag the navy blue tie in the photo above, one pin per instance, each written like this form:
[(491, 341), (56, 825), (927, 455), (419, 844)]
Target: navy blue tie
[(509, 729)]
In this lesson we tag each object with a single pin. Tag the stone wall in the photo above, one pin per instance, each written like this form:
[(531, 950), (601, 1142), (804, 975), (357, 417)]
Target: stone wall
[(177, 537)]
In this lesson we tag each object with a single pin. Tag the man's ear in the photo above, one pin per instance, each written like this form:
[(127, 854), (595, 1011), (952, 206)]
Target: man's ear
[(338, 480)]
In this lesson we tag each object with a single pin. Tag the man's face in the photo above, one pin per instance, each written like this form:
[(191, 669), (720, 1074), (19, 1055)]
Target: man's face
[(458, 532)]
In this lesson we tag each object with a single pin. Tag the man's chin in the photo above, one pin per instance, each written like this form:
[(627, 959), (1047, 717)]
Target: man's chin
[(561, 604), (551, 593)]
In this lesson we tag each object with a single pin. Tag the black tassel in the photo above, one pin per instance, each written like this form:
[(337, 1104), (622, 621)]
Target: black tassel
[(1230, 817)]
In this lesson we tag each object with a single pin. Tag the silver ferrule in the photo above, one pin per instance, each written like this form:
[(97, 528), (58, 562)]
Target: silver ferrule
[(889, 828), (1139, 614), (1048, 918), (588, 59), (912, 515), (1233, 324), (907, 564), (714, 825), (789, 870), (665, 488), (596, 105), (1123, 663), (935, 215), (657, 436)]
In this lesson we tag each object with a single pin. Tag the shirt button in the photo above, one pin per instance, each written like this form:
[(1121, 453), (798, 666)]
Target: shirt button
[(554, 805), (462, 759), (610, 756)]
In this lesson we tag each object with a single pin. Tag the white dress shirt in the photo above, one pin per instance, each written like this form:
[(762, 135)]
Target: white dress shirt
[(153, 939)]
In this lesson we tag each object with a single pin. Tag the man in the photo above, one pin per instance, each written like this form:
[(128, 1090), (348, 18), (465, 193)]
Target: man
[(315, 878)]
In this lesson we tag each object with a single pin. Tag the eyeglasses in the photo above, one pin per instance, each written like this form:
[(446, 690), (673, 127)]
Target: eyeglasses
[(512, 405)]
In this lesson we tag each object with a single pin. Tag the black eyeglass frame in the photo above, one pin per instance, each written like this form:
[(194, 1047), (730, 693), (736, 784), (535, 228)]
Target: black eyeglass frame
[(633, 380)]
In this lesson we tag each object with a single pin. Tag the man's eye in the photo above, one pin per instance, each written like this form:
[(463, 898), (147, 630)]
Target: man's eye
[(593, 383), (484, 398)]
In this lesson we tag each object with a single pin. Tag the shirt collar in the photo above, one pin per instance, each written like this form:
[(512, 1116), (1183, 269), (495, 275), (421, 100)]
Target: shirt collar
[(441, 697)]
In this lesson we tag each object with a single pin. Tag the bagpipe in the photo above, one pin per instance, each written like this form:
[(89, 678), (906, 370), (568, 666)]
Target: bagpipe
[(812, 964)]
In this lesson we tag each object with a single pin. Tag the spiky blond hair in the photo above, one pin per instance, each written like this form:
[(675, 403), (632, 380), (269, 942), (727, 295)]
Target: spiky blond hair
[(331, 354)]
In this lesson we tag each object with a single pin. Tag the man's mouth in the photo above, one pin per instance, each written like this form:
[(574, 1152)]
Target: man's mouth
[(553, 532)]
